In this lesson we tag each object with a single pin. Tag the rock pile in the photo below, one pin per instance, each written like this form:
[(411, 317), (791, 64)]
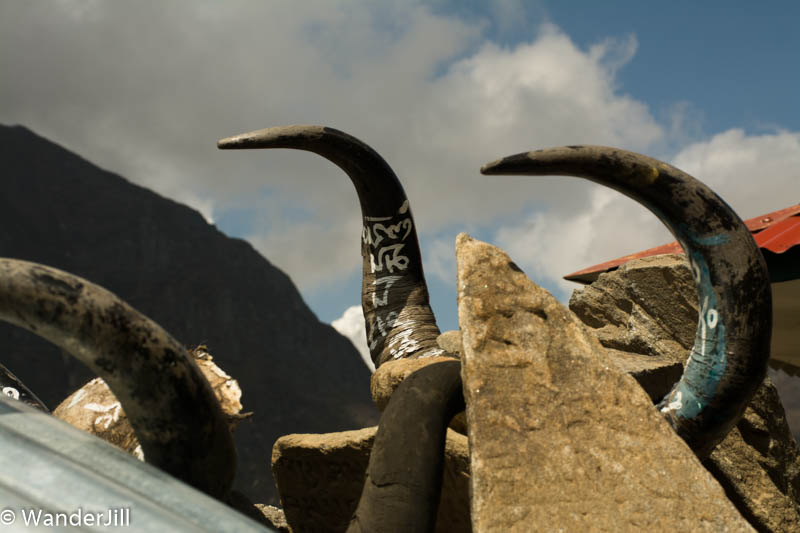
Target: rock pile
[(559, 432), (562, 430)]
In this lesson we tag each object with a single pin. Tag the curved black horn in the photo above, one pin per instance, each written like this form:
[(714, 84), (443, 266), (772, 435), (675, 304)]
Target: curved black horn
[(729, 358), (171, 407), (404, 477), (11, 386), (394, 296)]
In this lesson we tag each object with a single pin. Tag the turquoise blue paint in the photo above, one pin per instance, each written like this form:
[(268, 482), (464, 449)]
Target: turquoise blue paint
[(711, 240), (708, 360)]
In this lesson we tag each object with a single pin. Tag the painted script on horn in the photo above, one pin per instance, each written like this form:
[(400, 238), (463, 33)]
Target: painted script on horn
[(383, 238)]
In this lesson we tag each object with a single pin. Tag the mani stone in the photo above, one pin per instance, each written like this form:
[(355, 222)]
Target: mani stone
[(648, 309), (320, 478), (94, 408), (561, 439)]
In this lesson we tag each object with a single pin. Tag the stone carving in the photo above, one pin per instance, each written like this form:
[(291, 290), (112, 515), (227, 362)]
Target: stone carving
[(727, 361), (528, 367), (94, 408)]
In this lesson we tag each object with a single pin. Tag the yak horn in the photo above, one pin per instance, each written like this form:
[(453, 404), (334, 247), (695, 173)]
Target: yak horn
[(171, 407), (729, 358), (394, 297)]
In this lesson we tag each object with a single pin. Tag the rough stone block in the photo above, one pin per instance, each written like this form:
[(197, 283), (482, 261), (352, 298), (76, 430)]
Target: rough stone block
[(320, 478), (560, 438)]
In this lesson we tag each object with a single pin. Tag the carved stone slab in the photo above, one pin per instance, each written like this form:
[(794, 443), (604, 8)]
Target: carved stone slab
[(560, 438), (94, 408)]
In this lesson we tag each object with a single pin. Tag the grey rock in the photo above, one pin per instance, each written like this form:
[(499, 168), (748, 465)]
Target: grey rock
[(320, 478), (647, 309), (655, 374), (758, 464), (647, 306), (560, 438)]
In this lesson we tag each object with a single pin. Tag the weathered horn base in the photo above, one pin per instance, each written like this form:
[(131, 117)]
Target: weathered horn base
[(404, 477)]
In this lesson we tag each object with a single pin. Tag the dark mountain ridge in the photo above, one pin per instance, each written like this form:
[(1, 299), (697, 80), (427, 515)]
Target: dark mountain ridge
[(296, 373)]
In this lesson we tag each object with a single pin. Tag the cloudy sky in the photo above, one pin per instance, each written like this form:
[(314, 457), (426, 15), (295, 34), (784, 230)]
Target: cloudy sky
[(145, 88)]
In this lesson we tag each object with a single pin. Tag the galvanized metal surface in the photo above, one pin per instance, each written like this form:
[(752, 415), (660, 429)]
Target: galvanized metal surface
[(49, 467)]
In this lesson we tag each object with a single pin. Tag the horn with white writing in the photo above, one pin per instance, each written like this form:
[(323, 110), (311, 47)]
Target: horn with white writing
[(394, 296)]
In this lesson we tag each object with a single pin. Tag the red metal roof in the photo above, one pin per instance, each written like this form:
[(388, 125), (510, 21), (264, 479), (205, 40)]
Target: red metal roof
[(777, 232)]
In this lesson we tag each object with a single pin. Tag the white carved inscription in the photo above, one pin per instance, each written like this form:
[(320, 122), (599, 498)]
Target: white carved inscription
[(110, 413)]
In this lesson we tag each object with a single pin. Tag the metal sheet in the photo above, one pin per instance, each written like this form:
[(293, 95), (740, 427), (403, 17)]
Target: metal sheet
[(49, 466), (780, 236), (777, 231)]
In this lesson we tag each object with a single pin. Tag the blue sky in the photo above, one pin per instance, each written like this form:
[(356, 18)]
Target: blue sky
[(438, 88)]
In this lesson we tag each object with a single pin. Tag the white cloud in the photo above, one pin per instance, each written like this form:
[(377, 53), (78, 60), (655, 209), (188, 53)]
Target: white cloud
[(754, 174), (440, 260), (550, 244), (146, 88), (351, 325)]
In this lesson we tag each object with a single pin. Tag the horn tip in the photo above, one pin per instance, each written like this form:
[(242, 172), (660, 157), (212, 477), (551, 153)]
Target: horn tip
[(509, 165), (273, 137), (236, 141), (491, 168)]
